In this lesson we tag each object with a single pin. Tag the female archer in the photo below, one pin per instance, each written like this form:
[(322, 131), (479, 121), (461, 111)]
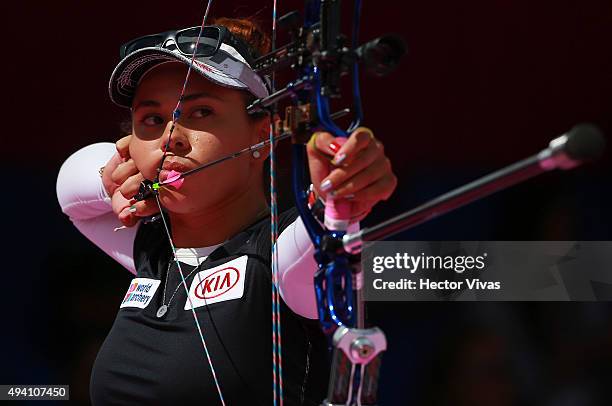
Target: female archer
[(218, 272)]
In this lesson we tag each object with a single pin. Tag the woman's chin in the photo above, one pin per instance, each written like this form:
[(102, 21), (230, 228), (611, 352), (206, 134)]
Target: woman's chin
[(174, 201)]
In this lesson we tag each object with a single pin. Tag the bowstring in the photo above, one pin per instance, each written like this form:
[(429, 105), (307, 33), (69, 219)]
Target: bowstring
[(195, 317), (175, 116)]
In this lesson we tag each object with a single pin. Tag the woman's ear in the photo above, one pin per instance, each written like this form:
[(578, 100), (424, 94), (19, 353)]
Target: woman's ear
[(262, 133)]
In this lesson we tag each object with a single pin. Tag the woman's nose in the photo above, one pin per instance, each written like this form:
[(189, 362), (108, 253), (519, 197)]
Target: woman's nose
[(176, 140)]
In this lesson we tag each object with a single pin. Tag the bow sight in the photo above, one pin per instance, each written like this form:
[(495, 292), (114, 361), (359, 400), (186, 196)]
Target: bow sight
[(318, 51)]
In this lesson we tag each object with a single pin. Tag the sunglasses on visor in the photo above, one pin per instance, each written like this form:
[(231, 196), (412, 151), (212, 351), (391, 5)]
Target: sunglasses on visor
[(185, 41)]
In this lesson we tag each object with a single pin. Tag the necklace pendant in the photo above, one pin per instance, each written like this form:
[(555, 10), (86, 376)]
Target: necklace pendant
[(161, 312)]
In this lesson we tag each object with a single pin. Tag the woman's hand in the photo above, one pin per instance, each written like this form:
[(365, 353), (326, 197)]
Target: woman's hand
[(358, 170), (122, 179)]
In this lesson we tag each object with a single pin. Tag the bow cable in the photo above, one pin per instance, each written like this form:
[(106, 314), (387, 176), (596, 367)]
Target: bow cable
[(277, 360)]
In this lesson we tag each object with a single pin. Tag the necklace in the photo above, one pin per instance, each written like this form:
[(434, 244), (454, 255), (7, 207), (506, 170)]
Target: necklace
[(163, 309)]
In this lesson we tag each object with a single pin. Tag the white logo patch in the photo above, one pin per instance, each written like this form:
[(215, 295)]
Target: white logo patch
[(218, 284), (140, 292)]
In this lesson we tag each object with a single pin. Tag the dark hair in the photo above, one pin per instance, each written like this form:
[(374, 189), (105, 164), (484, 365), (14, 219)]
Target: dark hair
[(249, 30), (259, 43)]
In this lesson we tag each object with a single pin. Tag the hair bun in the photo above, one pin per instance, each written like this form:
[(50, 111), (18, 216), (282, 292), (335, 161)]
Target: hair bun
[(249, 30)]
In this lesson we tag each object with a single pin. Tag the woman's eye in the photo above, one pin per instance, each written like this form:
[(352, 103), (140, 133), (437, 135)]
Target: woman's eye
[(201, 112), (152, 120)]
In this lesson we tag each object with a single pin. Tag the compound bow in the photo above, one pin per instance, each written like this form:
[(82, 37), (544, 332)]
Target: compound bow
[(319, 55)]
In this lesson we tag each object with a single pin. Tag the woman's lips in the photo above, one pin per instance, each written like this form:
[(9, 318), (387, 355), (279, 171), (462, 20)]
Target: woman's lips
[(169, 166), (176, 166), (163, 175), (171, 173)]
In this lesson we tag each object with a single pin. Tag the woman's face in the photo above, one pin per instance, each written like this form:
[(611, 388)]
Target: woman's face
[(213, 123)]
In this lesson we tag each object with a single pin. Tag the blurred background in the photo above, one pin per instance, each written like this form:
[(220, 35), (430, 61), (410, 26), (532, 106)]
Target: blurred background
[(486, 83)]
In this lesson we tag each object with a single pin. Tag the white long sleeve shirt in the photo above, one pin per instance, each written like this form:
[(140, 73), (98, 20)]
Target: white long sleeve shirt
[(84, 199)]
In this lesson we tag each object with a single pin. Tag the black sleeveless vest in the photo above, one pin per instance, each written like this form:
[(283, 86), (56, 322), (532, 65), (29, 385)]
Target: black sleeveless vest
[(146, 360)]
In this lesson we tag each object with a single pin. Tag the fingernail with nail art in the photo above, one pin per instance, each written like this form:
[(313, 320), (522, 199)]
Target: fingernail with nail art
[(338, 159), (334, 146), (326, 185)]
